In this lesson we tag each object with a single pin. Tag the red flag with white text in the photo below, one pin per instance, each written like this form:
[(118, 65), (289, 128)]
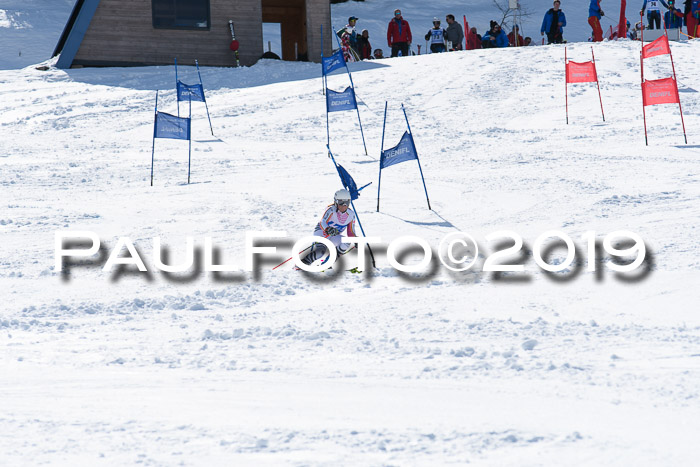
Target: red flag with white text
[(581, 72), (658, 47), (660, 91)]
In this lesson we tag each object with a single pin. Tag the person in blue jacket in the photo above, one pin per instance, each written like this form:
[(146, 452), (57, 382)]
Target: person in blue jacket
[(673, 18), (553, 24), (495, 37), (594, 15)]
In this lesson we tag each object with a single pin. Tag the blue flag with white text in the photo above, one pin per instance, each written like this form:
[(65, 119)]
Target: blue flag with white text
[(333, 62), (339, 101), (193, 92), (404, 151), (170, 126)]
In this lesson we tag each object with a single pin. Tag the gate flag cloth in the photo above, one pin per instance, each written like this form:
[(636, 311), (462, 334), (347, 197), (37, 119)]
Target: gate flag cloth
[(348, 182), (581, 72), (660, 91), (402, 152), (577, 72), (339, 101), (170, 126), (658, 47), (333, 62), (193, 92)]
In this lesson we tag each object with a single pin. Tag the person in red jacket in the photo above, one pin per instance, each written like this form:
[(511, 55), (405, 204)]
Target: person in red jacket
[(514, 38), (398, 35), (473, 40)]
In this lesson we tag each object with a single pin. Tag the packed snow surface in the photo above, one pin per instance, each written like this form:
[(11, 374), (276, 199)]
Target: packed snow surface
[(379, 368)]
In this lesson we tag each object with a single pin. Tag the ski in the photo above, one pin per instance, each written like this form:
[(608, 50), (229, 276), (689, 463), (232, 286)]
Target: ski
[(234, 43)]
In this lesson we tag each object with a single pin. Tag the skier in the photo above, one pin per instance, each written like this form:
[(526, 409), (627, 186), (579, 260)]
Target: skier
[(594, 15), (348, 40), (436, 35), (653, 12), (553, 24), (337, 219)]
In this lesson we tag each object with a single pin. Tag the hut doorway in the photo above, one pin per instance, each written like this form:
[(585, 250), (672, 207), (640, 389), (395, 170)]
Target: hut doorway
[(291, 15)]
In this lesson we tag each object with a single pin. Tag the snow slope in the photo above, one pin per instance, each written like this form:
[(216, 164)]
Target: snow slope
[(376, 368)]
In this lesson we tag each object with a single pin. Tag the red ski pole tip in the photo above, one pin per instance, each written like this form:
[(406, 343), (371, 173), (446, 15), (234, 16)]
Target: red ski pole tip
[(234, 45)]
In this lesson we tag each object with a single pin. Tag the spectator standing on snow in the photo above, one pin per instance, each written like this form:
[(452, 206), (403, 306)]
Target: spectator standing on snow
[(514, 38), (473, 40), (495, 37), (673, 18), (692, 17), (348, 40), (436, 36), (454, 33), (594, 15), (363, 45), (398, 35), (553, 24), (528, 42), (378, 53), (653, 12)]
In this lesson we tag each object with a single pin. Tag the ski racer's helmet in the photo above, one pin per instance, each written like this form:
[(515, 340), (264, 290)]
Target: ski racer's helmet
[(342, 197)]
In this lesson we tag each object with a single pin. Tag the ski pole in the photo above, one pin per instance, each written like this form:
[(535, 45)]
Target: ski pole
[(283, 262), (325, 235)]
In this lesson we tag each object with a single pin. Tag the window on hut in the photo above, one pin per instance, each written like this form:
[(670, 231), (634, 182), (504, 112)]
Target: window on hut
[(180, 14)]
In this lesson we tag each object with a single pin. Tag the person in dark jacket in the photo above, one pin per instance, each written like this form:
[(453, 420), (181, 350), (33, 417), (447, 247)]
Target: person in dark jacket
[(398, 35), (436, 36), (495, 37), (454, 33), (673, 18), (363, 45), (553, 24)]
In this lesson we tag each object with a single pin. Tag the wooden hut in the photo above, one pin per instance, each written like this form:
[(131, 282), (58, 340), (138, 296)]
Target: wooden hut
[(153, 32)]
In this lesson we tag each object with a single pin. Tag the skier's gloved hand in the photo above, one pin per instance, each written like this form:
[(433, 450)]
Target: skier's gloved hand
[(331, 231)]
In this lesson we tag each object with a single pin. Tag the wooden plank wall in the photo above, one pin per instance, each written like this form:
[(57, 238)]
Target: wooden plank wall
[(121, 33), (318, 12)]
